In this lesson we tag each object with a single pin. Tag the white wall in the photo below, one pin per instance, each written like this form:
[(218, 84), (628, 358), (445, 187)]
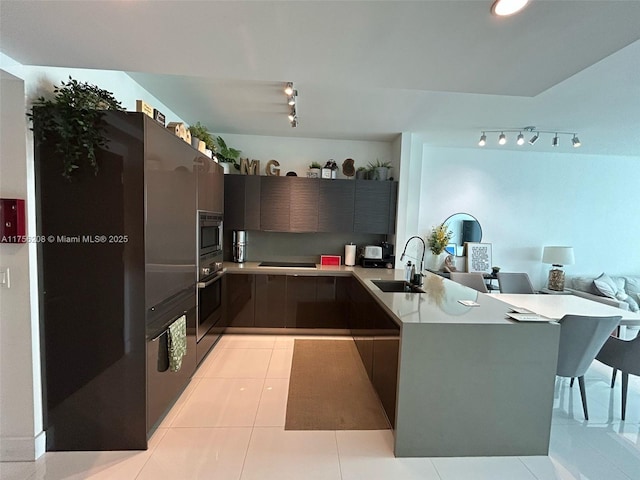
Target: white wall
[(21, 435), (295, 154), (527, 200)]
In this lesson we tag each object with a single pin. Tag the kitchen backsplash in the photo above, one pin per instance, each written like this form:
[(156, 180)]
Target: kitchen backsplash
[(298, 247)]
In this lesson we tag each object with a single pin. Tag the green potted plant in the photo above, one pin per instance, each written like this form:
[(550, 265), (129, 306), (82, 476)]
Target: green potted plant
[(73, 120), (381, 169), (314, 170), (199, 133), (226, 154)]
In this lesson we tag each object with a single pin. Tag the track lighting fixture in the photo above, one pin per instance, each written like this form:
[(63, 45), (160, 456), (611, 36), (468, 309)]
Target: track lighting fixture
[(292, 100), (575, 141), (520, 140), (288, 88), (503, 8)]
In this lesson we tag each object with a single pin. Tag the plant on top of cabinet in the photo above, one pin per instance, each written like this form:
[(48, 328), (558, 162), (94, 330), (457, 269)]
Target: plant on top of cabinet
[(314, 170), (73, 119), (227, 154), (201, 132), (379, 169)]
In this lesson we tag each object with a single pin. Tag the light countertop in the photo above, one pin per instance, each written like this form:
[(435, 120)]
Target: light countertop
[(438, 305)]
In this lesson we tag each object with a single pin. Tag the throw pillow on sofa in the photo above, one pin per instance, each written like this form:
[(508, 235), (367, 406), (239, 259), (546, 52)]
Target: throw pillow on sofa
[(607, 286), (614, 288)]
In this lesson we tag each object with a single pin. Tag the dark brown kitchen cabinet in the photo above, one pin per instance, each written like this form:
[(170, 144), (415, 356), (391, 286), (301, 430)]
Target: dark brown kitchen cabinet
[(275, 204), (372, 207), (336, 205), (270, 307), (293, 204), (240, 300), (303, 204), (242, 202), (311, 302), (210, 184), (386, 350)]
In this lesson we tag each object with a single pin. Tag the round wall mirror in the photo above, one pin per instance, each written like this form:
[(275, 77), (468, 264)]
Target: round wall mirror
[(465, 228)]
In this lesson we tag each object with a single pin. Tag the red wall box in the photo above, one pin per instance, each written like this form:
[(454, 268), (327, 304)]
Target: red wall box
[(330, 259), (12, 221)]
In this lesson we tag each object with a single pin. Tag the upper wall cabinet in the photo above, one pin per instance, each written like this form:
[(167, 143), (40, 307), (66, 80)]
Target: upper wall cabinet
[(295, 204), (242, 202)]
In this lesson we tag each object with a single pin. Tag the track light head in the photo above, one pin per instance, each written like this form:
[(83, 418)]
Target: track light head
[(503, 8), (555, 141), (520, 140), (294, 122), (292, 114), (534, 139), (575, 141), (288, 88), (502, 139), (483, 140), (291, 100)]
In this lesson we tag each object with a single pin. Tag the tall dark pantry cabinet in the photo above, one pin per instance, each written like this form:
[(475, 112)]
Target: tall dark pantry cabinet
[(117, 266)]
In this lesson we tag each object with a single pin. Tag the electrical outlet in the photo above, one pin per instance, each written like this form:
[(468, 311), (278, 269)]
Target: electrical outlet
[(5, 278)]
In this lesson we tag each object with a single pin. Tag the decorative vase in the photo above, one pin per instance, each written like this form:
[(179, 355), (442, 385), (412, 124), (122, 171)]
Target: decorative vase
[(434, 261), (225, 167), (313, 173), (361, 174)]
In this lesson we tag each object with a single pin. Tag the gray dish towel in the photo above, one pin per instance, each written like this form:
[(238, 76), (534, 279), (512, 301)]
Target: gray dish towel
[(177, 343)]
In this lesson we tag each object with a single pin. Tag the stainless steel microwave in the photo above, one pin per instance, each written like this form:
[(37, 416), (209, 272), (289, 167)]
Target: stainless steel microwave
[(209, 232)]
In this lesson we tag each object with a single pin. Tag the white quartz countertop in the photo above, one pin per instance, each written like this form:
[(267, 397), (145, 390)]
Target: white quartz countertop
[(438, 305)]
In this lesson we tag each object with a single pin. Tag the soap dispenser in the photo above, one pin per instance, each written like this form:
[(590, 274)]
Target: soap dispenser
[(407, 271)]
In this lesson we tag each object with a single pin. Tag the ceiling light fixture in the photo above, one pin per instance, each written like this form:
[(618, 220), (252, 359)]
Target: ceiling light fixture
[(292, 100), (288, 88), (504, 8), (575, 141), (520, 140)]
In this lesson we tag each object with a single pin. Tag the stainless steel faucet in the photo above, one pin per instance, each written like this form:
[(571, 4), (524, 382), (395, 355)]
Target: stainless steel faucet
[(418, 280)]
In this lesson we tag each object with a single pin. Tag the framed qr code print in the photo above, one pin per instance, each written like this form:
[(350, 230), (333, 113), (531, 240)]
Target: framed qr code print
[(478, 257)]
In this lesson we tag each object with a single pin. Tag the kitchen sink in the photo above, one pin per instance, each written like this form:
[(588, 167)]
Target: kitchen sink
[(397, 286)]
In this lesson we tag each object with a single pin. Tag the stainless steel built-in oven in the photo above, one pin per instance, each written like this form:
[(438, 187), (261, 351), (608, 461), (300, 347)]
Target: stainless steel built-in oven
[(209, 303)]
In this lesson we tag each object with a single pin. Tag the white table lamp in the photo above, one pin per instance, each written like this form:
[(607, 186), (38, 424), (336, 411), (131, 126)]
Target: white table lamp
[(557, 257)]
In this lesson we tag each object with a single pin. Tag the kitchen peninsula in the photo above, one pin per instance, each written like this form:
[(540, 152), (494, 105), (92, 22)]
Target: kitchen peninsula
[(468, 382)]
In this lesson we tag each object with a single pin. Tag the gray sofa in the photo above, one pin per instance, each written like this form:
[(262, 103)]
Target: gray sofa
[(617, 291)]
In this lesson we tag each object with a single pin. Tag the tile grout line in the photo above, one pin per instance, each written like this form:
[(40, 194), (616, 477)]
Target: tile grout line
[(335, 438)]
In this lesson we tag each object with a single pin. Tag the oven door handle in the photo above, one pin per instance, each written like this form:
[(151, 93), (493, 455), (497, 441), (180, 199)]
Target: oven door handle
[(209, 282)]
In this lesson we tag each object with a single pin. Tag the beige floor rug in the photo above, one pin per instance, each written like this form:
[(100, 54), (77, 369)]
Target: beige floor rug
[(329, 389)]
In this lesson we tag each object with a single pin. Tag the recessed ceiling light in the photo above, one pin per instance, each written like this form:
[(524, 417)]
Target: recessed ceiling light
[(504, 8)]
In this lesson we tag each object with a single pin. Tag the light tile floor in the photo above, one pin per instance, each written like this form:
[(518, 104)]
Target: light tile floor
[(229, 424)]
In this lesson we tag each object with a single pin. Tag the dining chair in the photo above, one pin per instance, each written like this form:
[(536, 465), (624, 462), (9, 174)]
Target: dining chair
[(473, 280), (623, 355), (509, 282), (581, 338)]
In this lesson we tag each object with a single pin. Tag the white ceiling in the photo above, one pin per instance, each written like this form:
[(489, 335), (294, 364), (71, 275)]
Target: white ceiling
[(364, 70)]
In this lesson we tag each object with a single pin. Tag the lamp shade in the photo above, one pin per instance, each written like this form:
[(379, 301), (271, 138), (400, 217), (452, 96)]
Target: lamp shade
[(558, 255)]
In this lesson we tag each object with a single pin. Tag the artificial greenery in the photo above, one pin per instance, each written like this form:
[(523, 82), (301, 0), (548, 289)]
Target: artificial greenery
[(315, 165), (227, 154), (362, 169), (379, 164), (73, 119), (439, 238), (200, 131)]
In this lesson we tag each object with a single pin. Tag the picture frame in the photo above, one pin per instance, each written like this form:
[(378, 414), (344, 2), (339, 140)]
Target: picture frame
[(478, 257)]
